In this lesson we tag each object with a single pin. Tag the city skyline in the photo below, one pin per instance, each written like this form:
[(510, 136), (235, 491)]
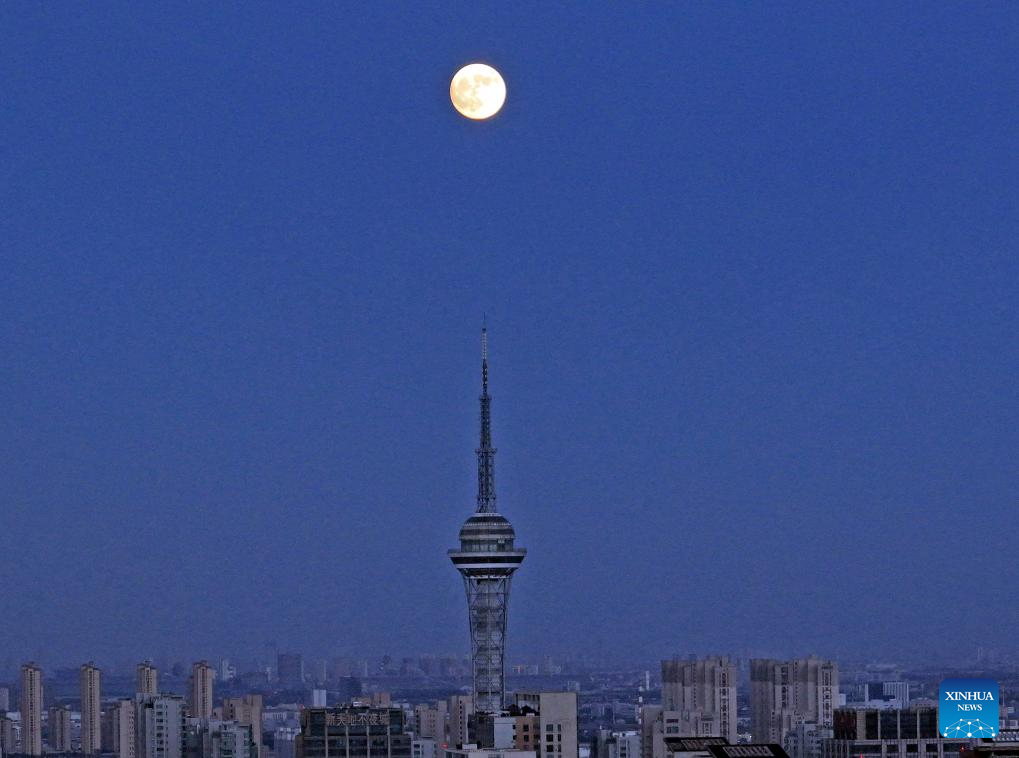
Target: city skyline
[(750, 274), (798, 708)]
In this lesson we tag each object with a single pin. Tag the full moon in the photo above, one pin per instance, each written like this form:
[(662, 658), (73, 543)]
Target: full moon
[(477, 91)]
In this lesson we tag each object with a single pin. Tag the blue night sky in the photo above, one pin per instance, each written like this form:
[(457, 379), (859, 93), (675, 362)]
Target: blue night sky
[(750, 273)]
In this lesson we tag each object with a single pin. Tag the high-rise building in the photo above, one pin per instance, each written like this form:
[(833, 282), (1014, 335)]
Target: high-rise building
[(125, 735), (557, 725), (58, 728), (702, 696), (353, 732), (246, 710), (487, 559), (784, 693), (290, 669), (460, 709), (108, 733), (91, 710), (430, 721), (8, 744), (148, 679), (5, 699), (201, 690), (159, 726), (31, 709)]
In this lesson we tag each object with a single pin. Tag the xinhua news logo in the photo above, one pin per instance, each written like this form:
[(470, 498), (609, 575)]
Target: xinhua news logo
[(968, 708)]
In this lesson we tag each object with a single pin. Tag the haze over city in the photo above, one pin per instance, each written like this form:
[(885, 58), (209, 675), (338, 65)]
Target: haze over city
[(749, 274)]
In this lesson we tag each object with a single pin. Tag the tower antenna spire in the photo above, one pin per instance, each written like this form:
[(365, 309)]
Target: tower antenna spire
[(485, 451)]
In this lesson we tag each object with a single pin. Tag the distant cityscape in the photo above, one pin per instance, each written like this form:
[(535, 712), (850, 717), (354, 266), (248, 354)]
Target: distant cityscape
[(479, 706), (423, 707)]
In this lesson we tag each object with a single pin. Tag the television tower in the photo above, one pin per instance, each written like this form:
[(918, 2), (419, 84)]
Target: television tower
[(487, 559)]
